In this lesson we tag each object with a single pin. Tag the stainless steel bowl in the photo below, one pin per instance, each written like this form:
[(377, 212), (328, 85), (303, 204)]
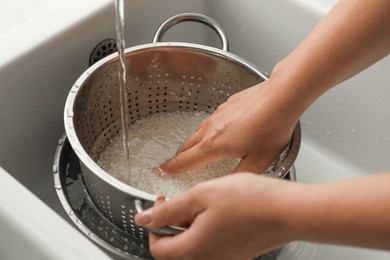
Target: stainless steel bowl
[(162, 77)]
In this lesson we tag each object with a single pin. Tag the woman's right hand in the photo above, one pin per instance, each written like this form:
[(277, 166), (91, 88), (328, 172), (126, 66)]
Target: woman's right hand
[(252, 125)]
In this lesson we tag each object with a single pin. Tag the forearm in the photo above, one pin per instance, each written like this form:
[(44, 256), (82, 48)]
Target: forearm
[(354, 212), (353, 36)]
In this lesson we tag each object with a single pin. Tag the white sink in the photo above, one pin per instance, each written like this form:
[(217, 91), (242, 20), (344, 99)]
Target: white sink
[(46, 46)]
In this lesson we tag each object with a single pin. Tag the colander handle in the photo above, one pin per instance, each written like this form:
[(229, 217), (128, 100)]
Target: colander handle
[(192, 17), (165, 231)]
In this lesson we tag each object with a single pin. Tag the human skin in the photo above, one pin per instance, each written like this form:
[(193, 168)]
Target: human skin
[(243, 215)]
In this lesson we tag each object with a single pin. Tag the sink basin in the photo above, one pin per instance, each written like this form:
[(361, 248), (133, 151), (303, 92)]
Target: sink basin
[(44, 50)]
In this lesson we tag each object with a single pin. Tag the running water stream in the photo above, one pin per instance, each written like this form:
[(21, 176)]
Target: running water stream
[(122, 73)]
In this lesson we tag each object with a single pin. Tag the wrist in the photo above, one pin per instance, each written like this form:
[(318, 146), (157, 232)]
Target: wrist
[(282, 211), (292, 89), (293, 211)]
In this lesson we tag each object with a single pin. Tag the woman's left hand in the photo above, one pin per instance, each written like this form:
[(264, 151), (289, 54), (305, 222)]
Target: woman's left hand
[(228, 218)]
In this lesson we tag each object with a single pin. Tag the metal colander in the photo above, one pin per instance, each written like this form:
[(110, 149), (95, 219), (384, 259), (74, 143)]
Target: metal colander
[(162, 77)]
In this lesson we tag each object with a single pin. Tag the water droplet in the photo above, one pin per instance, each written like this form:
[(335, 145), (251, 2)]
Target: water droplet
[(55, 168), (58, 187), (78, 222), (70, 124), (173, 94), (90, 234), (71, 213), (69, 112)]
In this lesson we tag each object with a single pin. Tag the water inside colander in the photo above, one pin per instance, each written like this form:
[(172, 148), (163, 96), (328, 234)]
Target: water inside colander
[(152, 140)]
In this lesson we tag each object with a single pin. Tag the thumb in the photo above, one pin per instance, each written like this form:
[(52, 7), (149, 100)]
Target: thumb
[(178, 211)]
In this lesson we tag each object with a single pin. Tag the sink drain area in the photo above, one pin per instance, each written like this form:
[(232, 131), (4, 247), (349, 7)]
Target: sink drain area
[(103, 49)]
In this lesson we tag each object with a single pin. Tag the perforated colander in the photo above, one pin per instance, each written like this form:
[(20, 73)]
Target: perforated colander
[(163, 77)]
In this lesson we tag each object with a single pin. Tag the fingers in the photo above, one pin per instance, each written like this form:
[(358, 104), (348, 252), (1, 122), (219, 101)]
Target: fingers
[(152, 237), (178, 163), (190, 142), (192, 158), (162, 215), (173, 212)]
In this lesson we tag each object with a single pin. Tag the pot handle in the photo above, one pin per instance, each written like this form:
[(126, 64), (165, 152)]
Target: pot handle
[(193, 17), (165, 231)]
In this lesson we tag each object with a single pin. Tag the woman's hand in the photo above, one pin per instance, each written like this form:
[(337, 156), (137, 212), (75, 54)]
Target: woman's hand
[(257, 123), (235, 217), (251, 125), (244, 215)]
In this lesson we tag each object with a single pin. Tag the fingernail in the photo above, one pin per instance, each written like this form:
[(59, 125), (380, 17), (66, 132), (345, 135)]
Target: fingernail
[(143, 218), (160, 199), (159, 172)]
